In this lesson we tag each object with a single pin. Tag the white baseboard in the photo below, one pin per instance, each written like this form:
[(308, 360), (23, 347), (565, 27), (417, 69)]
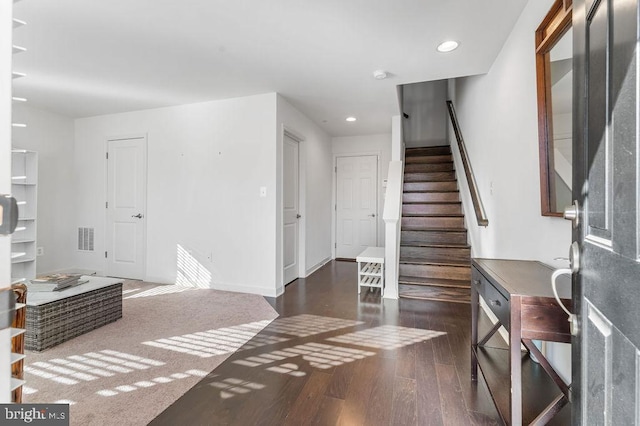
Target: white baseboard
[(73, 271), (317, 266), (239, 288)]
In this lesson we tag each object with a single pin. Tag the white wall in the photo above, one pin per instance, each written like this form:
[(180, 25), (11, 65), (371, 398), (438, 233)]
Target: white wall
[(497, 113), (367, 145), (51, 135), (206, 164), (397, 144), (498, 118), (315, 183)]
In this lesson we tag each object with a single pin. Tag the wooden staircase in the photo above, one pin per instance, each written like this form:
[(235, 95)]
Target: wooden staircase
[(434, 255)]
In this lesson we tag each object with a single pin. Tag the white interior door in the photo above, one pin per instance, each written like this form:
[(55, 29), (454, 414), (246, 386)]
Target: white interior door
[(291, 212), (356, 205), (125, 236)]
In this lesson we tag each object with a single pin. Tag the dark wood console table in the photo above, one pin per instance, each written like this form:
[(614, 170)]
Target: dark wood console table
[(519, 293)]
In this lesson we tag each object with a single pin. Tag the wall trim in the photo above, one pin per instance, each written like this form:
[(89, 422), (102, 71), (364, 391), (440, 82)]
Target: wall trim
[(317, 266), (251, 289)]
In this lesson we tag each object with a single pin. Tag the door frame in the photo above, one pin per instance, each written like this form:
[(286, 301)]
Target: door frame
[(334, 195), (107, 239), (299, 138)]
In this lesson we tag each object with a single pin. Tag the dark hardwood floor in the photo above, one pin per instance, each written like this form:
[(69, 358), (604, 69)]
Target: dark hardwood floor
[(338, 358)]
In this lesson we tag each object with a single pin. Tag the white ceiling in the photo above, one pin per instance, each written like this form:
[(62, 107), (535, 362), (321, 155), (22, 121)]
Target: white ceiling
[(95, 57)]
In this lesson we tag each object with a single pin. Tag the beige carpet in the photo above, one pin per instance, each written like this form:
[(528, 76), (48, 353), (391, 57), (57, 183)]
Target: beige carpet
[(128, 372)]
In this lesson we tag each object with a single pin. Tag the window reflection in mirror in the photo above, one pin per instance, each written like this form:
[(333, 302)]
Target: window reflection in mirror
[(554, 61), (561, 107)]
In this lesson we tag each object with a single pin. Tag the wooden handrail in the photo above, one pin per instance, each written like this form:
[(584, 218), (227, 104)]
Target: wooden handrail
[(481, 216)]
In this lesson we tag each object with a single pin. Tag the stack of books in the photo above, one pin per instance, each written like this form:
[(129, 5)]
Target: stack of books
[(53, 282)]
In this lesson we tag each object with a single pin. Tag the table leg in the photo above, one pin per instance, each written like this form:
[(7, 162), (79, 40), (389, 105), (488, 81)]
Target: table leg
[(474, 332), (515, 361)]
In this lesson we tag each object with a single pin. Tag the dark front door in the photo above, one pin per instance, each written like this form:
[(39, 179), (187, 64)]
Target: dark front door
[(606, 361)]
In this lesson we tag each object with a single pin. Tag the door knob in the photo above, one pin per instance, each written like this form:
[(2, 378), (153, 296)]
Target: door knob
[(139, 215), (572, 213), (372, 215), (298, 216)]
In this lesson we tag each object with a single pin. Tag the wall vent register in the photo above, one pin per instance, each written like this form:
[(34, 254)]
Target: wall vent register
[(85, 239)]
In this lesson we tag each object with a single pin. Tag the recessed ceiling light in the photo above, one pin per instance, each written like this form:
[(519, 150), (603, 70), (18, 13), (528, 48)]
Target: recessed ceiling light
[(447, 46), (351, 119)]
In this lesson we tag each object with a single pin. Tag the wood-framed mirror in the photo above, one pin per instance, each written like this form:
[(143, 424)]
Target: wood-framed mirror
[(554, 75)]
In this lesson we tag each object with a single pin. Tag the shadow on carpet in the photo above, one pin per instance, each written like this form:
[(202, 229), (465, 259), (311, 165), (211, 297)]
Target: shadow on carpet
[(129, 371)]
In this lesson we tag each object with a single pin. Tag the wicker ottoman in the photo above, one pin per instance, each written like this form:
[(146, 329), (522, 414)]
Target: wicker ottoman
[(58, 316)]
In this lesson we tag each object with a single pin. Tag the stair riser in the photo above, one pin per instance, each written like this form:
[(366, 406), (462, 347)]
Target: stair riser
[(429, 197), (428, 150), (432, 208), (436, 271), (429, 177), (433, 237), (430, 186), (435, 253), (426, 167), (409, 223)]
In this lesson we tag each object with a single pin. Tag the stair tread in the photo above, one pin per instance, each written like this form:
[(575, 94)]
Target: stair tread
[(432, 215), (423, 261), (438, 282), (434, 245), (432, 202), (436, 230), (429, 191), (431, 181), (455, 295), (412, 148)]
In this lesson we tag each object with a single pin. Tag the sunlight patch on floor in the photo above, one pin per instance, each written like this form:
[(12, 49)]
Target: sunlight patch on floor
[(218, 341), (150, 383), (90, 366), (231, 387), (289, 368), (309, 325), (387, 337), (317, 354)]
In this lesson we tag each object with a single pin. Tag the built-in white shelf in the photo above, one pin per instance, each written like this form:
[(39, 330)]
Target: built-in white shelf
[(21, 125), (17, 23), (16, 357), (17, 331), (15, 74), (23, 260), (17, 255), (18, 99), (22, 240), (18, 49), (16, 383)]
